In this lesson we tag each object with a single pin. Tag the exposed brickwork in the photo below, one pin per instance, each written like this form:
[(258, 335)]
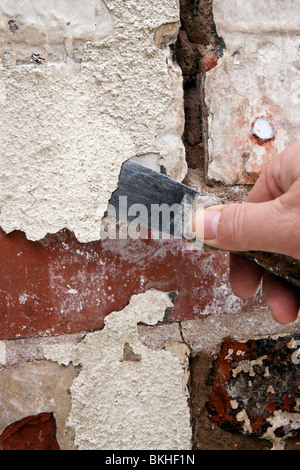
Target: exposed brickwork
[(253, 383), (31, 433), (62, 286), (197, 51), (206, 434)]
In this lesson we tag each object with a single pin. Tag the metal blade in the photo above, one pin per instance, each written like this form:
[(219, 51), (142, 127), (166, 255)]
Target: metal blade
[(146, 191), (154, 200)]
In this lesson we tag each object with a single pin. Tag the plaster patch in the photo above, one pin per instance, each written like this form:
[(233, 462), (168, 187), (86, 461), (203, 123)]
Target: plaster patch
[(67, 125), (50, 31), (281, 419), (30, 388), (137, 403)]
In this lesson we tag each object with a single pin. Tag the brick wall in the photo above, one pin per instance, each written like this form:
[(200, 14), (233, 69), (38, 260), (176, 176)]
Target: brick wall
[(138, 343)]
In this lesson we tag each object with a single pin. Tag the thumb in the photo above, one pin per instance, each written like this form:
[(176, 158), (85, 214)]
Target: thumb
[(246, 226)]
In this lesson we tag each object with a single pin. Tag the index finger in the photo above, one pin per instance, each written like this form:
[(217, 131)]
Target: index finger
[(277, 176)]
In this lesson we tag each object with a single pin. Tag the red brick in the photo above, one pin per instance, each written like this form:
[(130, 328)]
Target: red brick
[(60, 286), (209, 63), (31, 433), (257, 378)]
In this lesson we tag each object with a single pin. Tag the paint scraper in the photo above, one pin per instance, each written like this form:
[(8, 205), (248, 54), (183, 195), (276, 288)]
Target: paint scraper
[(156, 201)]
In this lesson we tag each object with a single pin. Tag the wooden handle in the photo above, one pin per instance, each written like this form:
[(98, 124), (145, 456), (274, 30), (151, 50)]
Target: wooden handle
[(285, 267)]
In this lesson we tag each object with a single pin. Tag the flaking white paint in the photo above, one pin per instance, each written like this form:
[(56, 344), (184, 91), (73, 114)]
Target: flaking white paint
[(55, 30), (258, 76), (119, 403), (69, 121)]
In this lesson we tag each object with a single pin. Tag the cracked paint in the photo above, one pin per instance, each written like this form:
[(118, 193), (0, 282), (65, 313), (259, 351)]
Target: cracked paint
[(77, 121), (257, 78), (117, 389)]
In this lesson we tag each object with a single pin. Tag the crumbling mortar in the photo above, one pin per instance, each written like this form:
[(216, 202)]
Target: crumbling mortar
[(181, 334), (197, 50)]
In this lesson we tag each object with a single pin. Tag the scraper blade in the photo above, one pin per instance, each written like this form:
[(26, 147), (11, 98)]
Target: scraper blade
[(166, 206)]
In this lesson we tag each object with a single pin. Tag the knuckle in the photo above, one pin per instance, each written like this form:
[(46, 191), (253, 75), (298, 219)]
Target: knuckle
[(289, 221), (234, 218), (238, 222)]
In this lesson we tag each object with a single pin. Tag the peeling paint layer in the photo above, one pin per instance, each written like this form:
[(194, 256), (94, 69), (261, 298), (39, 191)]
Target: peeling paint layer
[(121, 382), (255, 388), (68, 125), (257, 78)]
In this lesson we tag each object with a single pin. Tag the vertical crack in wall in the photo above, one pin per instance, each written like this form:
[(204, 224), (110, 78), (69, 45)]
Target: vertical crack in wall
[(197, 51)]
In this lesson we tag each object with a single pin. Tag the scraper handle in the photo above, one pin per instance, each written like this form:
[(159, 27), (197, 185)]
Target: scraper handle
[(285, 267)]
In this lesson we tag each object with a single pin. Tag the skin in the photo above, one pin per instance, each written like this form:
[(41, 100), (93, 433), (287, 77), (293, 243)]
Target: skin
[(269, 220)]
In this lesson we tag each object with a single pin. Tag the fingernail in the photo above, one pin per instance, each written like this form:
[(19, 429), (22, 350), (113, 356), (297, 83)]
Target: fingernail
[(205, 223), (211, 221)]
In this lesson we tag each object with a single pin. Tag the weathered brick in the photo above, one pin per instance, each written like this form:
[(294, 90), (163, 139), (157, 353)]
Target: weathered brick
[(60, 286), (257, 77), (31, 433), (255, 388)]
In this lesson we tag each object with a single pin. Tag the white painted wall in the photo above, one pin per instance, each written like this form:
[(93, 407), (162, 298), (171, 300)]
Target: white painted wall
[(258, 76), (83, 87), (126, 404)]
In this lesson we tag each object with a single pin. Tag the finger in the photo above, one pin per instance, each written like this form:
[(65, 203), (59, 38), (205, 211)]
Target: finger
[(244, 276), (283, 300), (278, 175), (266, 187)]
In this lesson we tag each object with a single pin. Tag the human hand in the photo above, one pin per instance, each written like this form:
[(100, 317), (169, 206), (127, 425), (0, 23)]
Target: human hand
[(269, 220)]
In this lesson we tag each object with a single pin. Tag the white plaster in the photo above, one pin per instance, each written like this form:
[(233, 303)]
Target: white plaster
[(68, 123), (242, 416), (29, 388), (125, 404), (46, 23), (258, 76), (280, 419)]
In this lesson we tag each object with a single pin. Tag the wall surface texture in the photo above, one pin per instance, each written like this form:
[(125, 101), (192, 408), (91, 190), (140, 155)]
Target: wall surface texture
[(138, 342)]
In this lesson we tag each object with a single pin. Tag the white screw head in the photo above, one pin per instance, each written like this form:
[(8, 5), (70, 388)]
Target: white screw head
[(263, 129)]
